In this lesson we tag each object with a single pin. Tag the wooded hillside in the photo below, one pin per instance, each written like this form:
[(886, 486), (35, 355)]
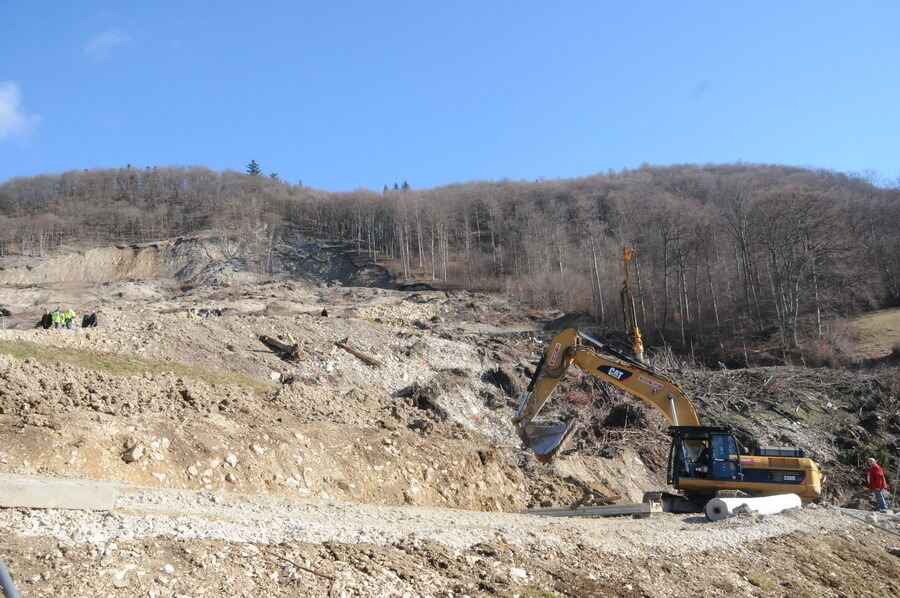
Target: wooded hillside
[(723, 252)]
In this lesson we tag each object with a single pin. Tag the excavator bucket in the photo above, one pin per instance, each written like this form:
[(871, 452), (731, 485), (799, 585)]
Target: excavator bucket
[(546, 441)]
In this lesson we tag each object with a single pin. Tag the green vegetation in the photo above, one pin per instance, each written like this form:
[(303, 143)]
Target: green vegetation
[(117, 365), (254, 169), (874, 446), (761, 580), (533, 593)]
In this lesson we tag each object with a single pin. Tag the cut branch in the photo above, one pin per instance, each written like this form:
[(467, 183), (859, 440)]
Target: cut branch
[(345, 345), (284, 350)]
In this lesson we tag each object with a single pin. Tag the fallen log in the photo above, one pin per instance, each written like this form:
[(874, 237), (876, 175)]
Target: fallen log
[(345, 345), (284, 350)]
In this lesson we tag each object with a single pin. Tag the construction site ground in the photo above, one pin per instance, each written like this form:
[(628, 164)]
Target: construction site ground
[(244, 474)]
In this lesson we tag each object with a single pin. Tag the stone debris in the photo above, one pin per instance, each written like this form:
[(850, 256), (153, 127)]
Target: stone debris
[(133, 454), (396, 476)]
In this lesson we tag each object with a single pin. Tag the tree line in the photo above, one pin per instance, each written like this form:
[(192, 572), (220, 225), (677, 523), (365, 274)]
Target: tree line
[(723, 252)]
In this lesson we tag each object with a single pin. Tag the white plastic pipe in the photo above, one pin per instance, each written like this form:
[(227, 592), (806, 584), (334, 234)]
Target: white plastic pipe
[(721, 508)]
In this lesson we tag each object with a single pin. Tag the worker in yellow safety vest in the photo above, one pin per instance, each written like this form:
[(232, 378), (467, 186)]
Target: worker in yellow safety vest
[(69, 317), (56, 318)]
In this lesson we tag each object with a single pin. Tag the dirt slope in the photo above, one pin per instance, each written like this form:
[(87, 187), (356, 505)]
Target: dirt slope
[(350, 469)]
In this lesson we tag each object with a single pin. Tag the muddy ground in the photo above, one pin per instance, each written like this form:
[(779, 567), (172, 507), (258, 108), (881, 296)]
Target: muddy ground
[(398, 479)]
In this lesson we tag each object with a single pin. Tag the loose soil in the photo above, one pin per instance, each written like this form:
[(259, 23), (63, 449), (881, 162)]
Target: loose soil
[(404, 479)]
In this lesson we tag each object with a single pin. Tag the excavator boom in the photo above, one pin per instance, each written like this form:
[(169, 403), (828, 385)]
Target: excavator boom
[(572, 346)]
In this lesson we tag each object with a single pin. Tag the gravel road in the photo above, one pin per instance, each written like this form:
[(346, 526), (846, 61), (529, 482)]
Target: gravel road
[(146, 512)]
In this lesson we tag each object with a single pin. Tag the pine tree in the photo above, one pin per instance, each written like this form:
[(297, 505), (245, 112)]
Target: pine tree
[(253, 168), (405, 186)]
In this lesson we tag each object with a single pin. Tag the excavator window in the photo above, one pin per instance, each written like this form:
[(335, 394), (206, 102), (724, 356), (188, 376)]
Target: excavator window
[(705, 454), (724, 457), (695, 461)]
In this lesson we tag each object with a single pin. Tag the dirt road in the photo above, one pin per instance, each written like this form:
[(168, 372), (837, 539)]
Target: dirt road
[(164, 542)]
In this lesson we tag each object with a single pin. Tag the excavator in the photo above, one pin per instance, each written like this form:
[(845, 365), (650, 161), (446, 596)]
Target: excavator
[(703, 461)]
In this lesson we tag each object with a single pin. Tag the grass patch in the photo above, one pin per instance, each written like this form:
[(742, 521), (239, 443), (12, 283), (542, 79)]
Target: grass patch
[(129, 365), (820, 416), (533, 593), (761, 580), (736, 420)]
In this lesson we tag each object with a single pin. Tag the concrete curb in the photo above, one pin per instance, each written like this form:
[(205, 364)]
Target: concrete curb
[(31, 492)]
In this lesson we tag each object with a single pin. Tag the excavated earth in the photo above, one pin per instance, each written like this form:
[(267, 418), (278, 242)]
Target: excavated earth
[(242, 473)]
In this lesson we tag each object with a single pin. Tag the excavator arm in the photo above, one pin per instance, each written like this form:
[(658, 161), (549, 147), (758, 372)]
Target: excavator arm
[(571, 346)]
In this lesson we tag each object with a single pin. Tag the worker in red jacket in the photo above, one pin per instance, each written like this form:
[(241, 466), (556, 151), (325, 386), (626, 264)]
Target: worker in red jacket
[(877, 483)]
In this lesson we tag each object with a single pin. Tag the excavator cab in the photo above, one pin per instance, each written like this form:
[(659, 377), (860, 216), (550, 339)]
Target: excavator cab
[(703, 453)]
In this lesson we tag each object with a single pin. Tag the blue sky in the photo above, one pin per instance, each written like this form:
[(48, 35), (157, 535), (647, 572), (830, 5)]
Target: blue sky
[(358, 94)]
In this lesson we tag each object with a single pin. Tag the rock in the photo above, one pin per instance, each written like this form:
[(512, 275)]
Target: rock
[(159, 476), (518, 574), (507, 380), (422, 426), (257, 449), (230, 478), (192, 471), (133, 454), (231, 459), (169, 569)]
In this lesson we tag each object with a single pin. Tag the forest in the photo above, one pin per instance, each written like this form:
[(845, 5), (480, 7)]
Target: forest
[(726, 255)]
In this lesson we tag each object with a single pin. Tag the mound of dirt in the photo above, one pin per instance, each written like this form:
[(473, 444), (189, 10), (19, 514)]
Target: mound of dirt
[(29, 388), (175, 391)]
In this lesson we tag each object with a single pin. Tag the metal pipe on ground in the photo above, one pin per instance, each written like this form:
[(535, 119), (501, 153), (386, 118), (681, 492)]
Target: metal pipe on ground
[(722, 508), (851, 513), (6, 582), (894, 487)]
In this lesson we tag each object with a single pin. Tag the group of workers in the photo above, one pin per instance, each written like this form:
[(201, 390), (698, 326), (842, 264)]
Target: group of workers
[(60, 318)]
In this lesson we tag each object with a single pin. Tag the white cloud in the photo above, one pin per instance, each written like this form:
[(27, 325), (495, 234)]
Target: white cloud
[(100, 47), (13, 120)]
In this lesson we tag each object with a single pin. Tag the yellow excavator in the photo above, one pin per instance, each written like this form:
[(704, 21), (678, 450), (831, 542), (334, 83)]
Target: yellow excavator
[(703, 460)]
